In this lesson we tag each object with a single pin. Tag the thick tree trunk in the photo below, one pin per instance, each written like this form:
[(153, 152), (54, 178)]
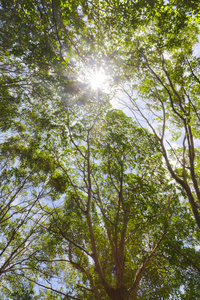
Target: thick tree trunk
[(119, 294)]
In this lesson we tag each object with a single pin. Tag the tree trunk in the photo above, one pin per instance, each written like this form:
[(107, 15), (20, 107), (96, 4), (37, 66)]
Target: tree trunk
[(120, 293)]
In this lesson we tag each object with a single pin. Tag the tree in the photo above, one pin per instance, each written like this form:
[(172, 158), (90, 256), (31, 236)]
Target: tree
[(167, 86), (118, 219), (20, 223)]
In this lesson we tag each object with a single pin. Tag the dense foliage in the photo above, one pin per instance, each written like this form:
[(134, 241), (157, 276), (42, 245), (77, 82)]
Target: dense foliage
[(96, 204)]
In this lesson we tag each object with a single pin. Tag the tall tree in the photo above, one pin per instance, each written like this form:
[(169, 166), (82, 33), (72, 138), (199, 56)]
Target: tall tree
[(117, 221), (166, 96), (20, 222)]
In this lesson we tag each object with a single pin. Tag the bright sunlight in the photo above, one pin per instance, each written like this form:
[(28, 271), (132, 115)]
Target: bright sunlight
[(97, 80)]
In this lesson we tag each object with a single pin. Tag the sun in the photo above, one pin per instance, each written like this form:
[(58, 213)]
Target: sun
[(97, 79)]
